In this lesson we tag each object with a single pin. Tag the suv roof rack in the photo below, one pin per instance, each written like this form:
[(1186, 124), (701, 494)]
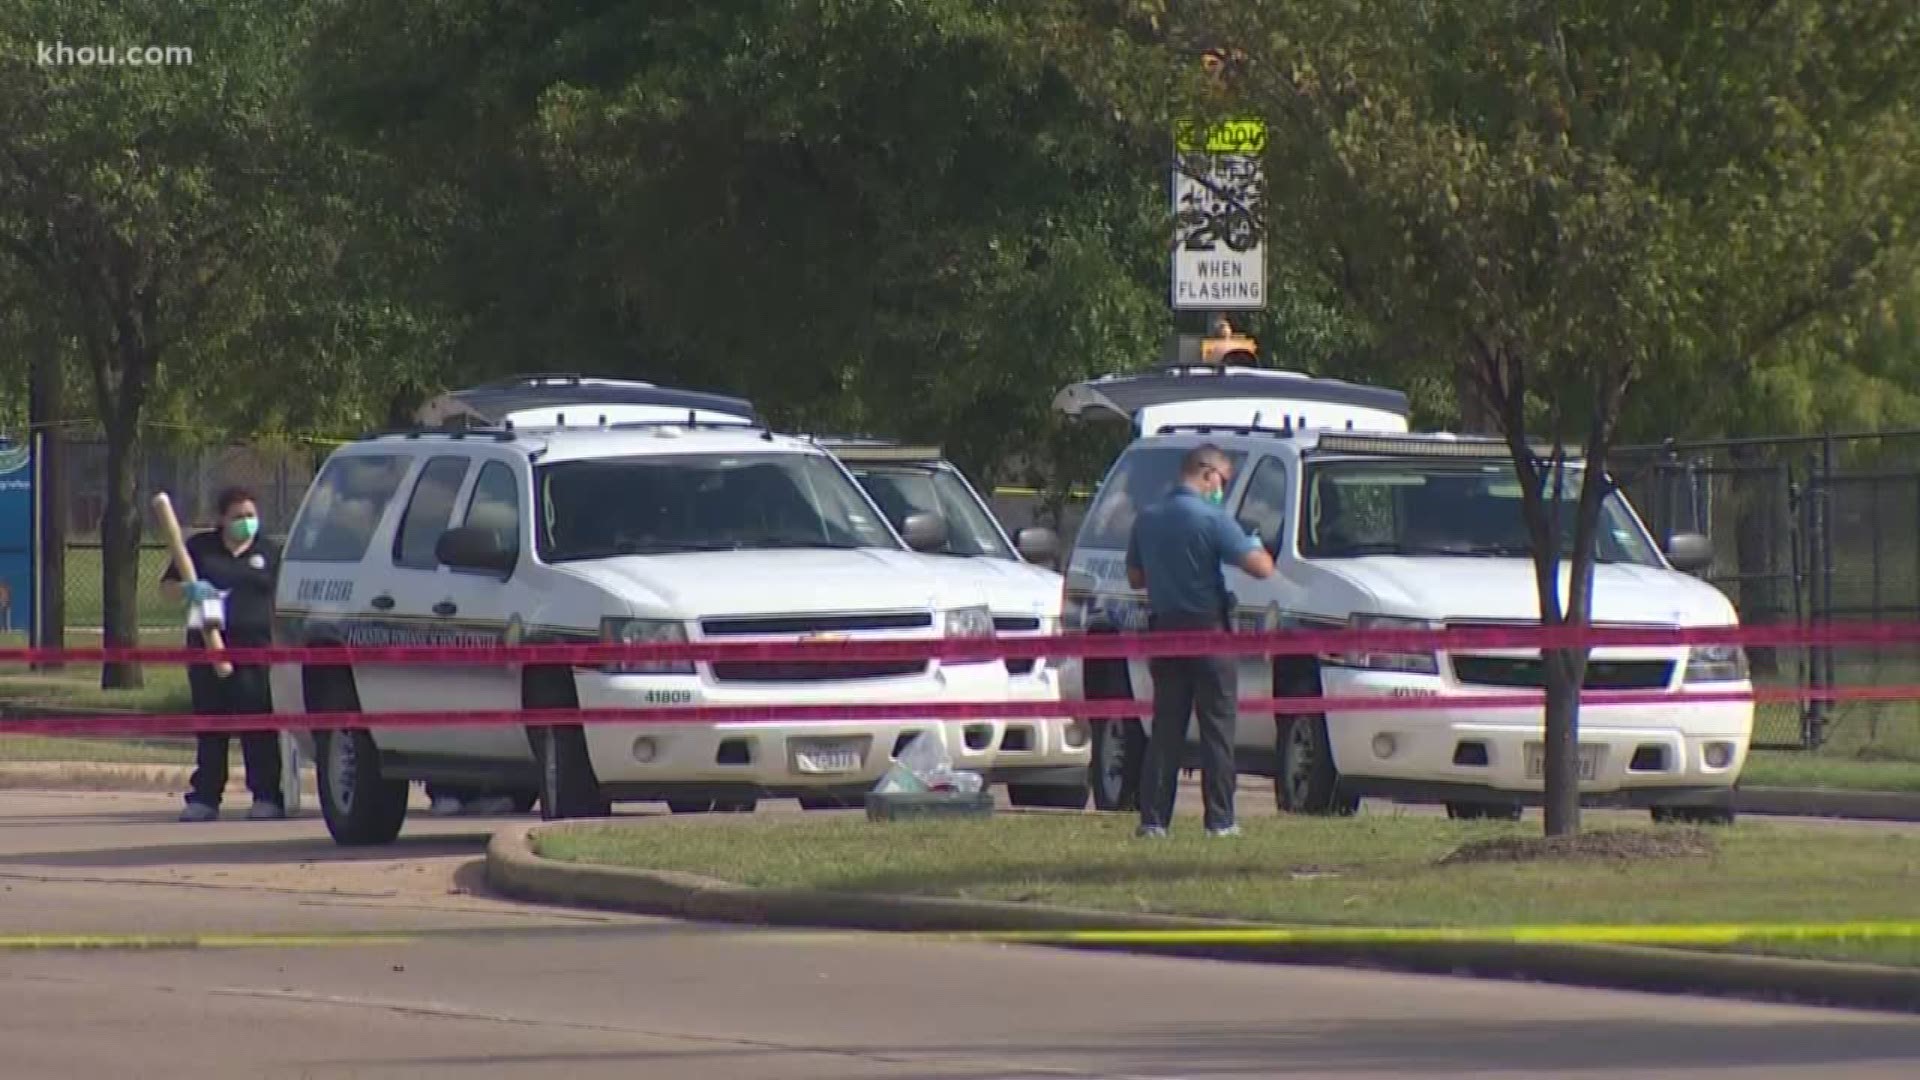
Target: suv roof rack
[(875, 448), (1126, 394), (501, 400), (463, 431), (690, 421), (1286, 431), (1435, 444)]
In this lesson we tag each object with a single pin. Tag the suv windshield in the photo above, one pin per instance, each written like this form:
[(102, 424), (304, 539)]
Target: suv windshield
[(1445, 508), (920, 489), (1142, 477), (654, 505)]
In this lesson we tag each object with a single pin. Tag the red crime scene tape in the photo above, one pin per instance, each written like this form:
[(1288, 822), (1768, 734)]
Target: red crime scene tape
[(1055, 646), (921, 711)]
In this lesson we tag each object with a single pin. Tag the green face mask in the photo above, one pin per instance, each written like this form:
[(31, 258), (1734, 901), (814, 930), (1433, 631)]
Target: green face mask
[(1217, 496), (243, 528)]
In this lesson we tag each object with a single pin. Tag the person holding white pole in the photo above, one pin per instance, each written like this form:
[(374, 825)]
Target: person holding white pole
[(235, 565)]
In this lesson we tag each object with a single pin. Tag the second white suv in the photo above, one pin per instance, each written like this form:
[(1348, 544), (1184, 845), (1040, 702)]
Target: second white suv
[(1022, 587), (1416, 531), (640, 532)]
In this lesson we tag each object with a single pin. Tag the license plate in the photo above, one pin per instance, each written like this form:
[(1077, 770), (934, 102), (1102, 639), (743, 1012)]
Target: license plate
[(828, 755), (1537, 761)]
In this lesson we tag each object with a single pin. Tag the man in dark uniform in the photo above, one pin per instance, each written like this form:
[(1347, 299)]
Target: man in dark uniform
[(233, 561), (1175, 553)]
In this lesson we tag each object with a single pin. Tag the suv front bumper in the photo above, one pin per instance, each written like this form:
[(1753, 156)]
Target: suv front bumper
[(782, 757), (1655, 746)]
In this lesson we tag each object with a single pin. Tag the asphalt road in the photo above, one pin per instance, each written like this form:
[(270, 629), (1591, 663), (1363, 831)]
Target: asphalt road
[(459, 984)]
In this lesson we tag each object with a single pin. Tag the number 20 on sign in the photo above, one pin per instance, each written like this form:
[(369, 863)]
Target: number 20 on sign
[(1219, 256)]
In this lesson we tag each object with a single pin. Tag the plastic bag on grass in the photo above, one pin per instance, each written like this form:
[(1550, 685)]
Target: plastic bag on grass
[(925, 765)]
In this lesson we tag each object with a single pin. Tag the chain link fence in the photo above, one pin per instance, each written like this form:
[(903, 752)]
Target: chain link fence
[(193, 479), (1805, 529)]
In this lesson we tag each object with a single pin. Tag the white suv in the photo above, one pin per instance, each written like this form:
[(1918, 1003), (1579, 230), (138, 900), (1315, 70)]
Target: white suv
[(1411, 531), (1021, 584), (643, 531)]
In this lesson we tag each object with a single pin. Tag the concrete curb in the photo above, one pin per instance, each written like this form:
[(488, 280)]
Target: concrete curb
[(112, 776), (1829, 803), (515, 870)]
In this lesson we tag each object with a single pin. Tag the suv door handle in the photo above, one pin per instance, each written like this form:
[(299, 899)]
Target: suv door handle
[(445, 607), (382, 602)]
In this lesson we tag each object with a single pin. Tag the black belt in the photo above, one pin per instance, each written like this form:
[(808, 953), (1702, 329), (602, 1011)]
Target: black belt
[(1187, 620)]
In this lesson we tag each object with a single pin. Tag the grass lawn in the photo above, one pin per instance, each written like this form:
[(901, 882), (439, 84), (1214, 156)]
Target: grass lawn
[(156, 751), (1368, 871), (1799, 769), (78, 687)]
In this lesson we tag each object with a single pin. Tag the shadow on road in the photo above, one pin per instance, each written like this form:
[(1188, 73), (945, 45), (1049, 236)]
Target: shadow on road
[(1404, 1046), (286, 850)]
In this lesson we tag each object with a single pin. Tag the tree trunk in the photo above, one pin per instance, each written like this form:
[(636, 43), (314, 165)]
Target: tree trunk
[(1565, 671), (120, 548), (1476, 416), (45, 410)]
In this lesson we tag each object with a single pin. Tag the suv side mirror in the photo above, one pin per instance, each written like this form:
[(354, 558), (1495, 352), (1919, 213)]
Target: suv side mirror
[(471, 548), (1689, 552), (924, 532), (1038, 545)]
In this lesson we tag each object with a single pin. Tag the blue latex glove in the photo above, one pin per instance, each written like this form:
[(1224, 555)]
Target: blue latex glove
[(200, 591)]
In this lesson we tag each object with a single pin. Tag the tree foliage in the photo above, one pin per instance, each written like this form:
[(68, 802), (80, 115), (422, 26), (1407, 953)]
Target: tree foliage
[(870, 216), (1563, 201), (178, 223)]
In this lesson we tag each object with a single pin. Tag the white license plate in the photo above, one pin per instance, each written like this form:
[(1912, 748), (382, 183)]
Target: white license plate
[(828, 756), (1537, 761)]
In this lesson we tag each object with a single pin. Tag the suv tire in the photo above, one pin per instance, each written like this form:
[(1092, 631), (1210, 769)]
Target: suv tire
[(1305, 780), (1119, 753), (361, 807), (568, 786)]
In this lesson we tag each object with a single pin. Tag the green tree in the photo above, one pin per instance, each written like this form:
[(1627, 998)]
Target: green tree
[(177, 223), (1560, 201), (865, 215)]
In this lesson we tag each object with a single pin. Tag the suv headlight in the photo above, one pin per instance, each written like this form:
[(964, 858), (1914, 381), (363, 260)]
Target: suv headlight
[(1716, 663), (1417, 663), (970, 622), (618, 631)]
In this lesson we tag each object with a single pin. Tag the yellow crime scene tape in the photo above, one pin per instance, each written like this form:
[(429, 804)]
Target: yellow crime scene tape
[(1671, 935), (1629, 934)]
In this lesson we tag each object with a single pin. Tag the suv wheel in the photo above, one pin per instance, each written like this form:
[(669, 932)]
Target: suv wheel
[(568, 786), (1305, 780), (360, 806), (1119, 749)]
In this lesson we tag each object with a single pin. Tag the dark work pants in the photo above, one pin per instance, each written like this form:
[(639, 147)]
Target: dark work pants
[(242, 693), (1185, 687)]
